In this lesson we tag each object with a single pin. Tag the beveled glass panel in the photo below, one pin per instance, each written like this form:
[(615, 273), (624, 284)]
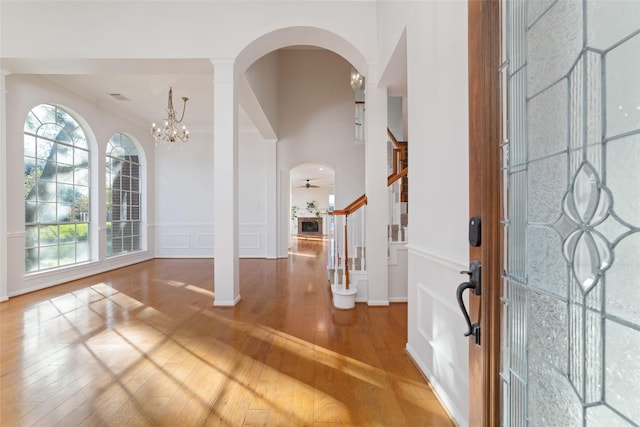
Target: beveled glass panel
[(623, 177), (536, 9), (548, 130), (593, 98), (551, 399), (623, 87), (623, 293), (546, 188), (576, 336), (518, 329), (593, 356), (608, 22), (585, 193), (518, 224), (622, 372), (553, 44), (598, 416), (548, 335), (518, 118), (547, 267)]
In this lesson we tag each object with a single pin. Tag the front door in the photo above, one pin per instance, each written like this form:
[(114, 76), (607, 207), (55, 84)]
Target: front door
[(561, 326)]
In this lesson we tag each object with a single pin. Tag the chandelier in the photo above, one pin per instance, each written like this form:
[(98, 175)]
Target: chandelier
[(171, 131), (356, 80)]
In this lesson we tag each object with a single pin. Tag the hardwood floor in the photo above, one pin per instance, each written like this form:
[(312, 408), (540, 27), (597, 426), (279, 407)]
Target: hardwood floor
[(143, 346)]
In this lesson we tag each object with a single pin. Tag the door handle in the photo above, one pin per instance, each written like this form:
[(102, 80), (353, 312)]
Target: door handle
[(474, 284)]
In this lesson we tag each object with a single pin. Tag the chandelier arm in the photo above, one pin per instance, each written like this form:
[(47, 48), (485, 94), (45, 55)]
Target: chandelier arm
[(184, 108)]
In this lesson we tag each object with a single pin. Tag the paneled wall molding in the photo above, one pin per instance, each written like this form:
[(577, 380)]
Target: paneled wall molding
[(448, 303), (447, 262)]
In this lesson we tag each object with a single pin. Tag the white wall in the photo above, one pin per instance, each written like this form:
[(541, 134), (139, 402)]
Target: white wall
[(316, 119), (184, 199), (262, 75), (438, 191), (23, 93), (185, 218)]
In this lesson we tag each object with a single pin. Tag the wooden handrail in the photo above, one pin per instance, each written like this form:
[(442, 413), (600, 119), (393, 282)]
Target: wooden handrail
[(396, 176), (393, 138), (352, 207)]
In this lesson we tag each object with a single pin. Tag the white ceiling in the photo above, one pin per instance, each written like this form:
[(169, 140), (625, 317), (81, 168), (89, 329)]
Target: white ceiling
[(317, 174)]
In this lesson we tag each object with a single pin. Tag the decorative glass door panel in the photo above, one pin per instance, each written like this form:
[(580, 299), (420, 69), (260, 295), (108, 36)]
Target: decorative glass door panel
[(571, 149)]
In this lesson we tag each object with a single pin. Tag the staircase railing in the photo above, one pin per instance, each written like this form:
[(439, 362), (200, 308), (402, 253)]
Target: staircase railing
[(398, 192), (349, 233)]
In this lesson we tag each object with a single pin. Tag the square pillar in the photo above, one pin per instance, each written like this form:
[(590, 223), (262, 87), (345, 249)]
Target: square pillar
[(225, 184), (376, 188)]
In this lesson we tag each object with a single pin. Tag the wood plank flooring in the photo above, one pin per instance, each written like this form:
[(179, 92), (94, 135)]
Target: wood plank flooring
[(143, 346)]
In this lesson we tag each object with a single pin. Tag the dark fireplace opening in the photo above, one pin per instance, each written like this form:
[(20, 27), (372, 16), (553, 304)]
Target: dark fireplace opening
[(310, 226)]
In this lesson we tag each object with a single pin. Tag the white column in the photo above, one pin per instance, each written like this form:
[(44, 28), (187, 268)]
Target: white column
[(225, 184), (3, 187), (272, 199), (376, 188)]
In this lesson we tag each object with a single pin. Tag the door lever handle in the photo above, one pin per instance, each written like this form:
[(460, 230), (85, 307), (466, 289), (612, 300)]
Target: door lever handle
[(474, 285)]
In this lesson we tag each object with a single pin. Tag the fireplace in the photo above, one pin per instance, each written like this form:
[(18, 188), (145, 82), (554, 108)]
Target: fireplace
[(309, 225)]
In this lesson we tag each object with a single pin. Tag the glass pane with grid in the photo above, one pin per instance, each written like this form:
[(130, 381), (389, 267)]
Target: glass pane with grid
[(56, 189), (123, 196)]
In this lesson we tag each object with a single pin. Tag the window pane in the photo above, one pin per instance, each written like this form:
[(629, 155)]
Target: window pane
[(83, 252), (65, 212), (48, 257), (44, 148), (123, 204), (30, 209), (81, 157), (30, 145), (46, 212), (31, 260), (48, 235), (65, 154), (31, 237), (67, 254), (52, 199), (67, 233)]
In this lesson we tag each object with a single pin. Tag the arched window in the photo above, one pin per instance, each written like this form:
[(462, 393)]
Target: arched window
[(123, 196), (56, 190)]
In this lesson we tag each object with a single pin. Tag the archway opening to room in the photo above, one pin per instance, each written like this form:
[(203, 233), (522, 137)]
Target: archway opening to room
[(312, 198)]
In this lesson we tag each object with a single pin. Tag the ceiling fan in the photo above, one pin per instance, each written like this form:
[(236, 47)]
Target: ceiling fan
[(308, 184)]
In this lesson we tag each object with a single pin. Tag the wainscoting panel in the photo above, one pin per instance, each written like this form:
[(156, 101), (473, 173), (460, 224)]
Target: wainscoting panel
[(436, 328), (197, 240)]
